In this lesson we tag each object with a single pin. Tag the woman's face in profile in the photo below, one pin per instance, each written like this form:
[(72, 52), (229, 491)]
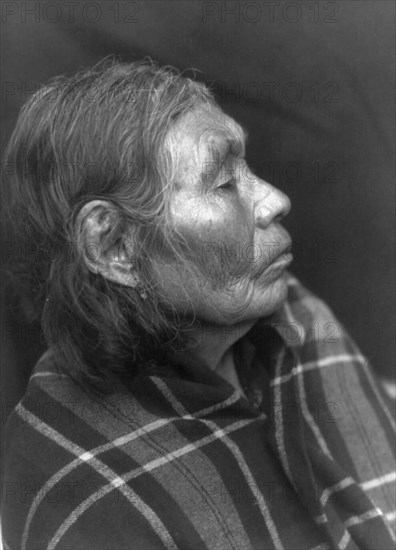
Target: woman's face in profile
[(230, 220)]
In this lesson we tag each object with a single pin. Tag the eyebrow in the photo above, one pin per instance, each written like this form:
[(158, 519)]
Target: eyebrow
[(219, 149)]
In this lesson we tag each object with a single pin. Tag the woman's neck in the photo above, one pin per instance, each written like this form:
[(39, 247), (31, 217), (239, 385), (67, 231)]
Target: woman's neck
[(213, 346)]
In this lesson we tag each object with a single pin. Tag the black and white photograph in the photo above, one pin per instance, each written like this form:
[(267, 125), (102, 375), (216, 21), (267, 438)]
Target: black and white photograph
[(198, 275)]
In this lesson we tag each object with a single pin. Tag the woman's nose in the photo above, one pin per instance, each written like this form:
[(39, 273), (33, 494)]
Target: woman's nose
[(271, 205)]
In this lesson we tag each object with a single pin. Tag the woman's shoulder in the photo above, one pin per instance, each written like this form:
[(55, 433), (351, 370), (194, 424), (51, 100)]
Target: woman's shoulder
[(63, 444)]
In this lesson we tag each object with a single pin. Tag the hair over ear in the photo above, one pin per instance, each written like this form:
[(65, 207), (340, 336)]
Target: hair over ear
[(99, 134), (103, 242)]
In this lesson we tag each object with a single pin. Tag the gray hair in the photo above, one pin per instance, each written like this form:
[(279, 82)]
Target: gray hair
[(97, 135)]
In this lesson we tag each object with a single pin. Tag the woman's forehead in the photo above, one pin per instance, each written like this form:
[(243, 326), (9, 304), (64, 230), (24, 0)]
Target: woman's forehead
[(219, 125), (208, 123), (204, 134)]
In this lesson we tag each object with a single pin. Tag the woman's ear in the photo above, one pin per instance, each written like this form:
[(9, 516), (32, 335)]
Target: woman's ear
[(102, 242)]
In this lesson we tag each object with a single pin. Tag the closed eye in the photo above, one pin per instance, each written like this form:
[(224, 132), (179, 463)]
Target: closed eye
[(227, 184)]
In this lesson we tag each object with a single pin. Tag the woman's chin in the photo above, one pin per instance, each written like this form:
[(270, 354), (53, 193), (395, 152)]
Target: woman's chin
[(260, 302), (267, 300)]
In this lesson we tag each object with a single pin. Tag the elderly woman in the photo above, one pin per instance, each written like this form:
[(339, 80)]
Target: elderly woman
[(191, 396)]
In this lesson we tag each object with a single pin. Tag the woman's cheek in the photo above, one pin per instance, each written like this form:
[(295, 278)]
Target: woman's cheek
[(216, 233)]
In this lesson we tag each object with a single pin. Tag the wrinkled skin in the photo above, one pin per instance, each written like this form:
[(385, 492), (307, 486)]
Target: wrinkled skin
[(230, 219)]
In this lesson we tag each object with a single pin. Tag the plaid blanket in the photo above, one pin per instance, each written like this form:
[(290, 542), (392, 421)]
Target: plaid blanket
[(181, 460)]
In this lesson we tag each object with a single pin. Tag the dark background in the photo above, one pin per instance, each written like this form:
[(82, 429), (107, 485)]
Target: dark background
[(313, 82)]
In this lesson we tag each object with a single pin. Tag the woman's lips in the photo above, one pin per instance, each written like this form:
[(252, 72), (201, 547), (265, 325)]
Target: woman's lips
[(285, 252), (283, 259)]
